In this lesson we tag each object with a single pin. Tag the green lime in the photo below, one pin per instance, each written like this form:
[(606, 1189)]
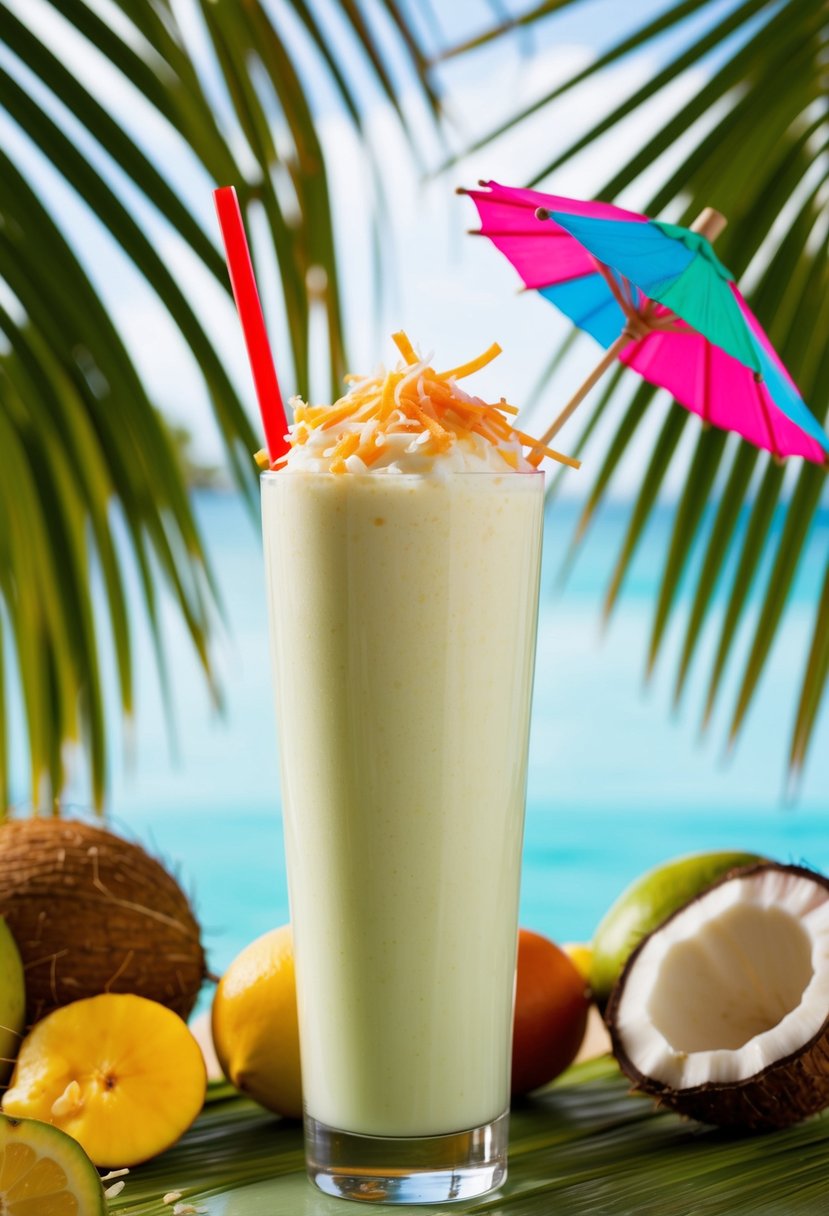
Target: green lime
[(44, 1170), (12, 1000)]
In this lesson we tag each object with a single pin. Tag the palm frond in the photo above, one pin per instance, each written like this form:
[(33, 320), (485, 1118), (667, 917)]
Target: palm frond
[(760, 154), (673, 16), (702, 472), (654, 476), (729, 509), (764, 131), (506, 23), (817, 670), (584, 1145), (82, 441)]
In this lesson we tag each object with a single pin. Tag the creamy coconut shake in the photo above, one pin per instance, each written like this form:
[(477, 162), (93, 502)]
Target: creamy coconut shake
[(403, 585)]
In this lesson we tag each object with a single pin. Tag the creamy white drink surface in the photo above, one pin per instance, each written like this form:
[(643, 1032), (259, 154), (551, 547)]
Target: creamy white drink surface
[(403, 608)]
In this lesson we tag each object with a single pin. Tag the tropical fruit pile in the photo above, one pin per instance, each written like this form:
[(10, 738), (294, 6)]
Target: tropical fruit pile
[(256, 1035), (710, 972), (100, 962)]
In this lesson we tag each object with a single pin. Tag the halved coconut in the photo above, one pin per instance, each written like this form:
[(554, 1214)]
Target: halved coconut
[(722, 1013)]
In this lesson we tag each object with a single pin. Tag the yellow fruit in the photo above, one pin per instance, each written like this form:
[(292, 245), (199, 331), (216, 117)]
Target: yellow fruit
[(255, 1028), (121, 1074), (46, 1172), (580, 955)]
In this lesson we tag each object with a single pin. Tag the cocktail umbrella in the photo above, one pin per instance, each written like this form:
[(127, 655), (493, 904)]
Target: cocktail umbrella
[(658, 297)]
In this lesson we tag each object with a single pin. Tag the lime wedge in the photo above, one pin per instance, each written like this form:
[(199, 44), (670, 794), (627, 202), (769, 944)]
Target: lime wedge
[(44, 1172)]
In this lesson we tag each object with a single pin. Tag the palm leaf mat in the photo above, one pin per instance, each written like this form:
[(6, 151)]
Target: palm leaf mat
[(585, 1145)]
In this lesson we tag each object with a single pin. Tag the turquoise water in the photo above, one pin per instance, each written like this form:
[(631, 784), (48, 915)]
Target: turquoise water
[(617, 783)]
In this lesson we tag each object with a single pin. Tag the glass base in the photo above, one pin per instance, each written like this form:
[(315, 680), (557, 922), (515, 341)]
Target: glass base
[(407, 1169)]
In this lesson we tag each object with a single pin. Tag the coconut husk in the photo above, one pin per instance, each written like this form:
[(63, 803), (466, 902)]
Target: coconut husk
[(785, 1092), (93, 913), (782, 1094)]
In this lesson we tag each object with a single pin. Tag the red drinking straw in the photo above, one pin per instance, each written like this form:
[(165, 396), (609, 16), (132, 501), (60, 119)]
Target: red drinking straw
[(249, 308)]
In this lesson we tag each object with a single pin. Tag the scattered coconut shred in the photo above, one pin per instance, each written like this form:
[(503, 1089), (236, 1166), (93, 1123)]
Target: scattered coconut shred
[(112, 1192), (181, 1209), (171, 1197)]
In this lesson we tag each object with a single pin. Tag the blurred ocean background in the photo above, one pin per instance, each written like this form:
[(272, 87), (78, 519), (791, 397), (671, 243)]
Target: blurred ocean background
[(617, 783)]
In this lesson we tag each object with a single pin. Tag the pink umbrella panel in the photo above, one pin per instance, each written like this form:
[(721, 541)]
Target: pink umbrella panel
[(717, 387), (671, 353)]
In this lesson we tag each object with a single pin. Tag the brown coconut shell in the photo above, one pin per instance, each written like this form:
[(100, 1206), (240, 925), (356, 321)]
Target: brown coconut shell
[(785, 1092), (94, 913)]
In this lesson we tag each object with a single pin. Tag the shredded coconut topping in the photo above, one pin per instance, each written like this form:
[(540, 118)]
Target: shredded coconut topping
[(412, 419)]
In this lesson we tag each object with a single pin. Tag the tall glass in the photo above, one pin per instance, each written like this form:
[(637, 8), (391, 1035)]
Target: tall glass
[(403, 616)]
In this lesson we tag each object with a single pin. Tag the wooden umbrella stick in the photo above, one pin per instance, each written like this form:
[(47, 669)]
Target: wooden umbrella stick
[(709, 223), (608, 359)]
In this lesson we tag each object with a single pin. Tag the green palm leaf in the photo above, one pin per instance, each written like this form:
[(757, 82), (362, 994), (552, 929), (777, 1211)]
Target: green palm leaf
[(720, 541), (760, 157), (80, 439), (65, 361), (585, 1145), (689, 514)]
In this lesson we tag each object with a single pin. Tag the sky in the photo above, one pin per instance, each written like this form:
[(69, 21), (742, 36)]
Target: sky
[(452, 293)]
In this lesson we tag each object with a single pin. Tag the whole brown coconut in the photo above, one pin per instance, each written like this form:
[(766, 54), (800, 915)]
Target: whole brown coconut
[(93, 913)]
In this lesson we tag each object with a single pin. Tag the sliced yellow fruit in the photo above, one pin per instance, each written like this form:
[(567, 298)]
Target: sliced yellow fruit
[(44, 1172), (121, 1074)]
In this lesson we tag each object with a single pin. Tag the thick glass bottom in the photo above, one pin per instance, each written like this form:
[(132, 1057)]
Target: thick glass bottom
[(407, 1169)]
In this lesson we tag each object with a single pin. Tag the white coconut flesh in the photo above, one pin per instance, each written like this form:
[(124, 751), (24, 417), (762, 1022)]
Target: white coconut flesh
[(737, 980)]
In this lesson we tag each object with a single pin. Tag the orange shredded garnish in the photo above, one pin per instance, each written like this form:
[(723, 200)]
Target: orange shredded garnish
[(474, 365), (416, 399), (401, 341), (343, 409), (345, 448), (387, 402)]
